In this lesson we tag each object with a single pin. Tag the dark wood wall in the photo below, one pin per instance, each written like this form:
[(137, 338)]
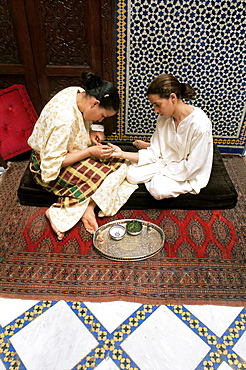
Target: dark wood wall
[(46, 44)]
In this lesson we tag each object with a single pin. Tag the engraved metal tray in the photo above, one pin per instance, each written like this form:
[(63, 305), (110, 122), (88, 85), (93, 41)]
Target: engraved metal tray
[(130, 247)]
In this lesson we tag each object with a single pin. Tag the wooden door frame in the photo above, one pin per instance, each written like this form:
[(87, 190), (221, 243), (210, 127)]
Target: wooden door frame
[(27, 68)]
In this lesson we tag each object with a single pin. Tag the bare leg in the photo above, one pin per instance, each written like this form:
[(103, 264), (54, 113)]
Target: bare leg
[(60, 235), (89, 218), (140, 144)]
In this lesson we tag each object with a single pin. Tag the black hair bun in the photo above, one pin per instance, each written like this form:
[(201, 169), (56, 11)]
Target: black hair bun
[(90, 80)]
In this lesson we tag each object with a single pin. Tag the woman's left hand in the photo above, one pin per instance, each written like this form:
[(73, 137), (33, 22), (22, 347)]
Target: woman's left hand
[(115, 151)]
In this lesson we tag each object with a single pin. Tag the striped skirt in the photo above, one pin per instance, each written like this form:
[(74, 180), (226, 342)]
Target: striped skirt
[(77, 182)]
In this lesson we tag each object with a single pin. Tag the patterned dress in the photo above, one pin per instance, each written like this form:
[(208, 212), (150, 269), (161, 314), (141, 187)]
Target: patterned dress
[(61, 129)]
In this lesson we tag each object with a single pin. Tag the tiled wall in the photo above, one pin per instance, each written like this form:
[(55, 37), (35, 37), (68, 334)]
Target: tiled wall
[(200, 42)]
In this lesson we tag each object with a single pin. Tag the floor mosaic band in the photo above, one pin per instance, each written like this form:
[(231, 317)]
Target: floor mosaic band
[(220, 348)]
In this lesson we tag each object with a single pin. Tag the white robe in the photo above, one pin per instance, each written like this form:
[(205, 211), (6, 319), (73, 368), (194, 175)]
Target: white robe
[(178, 160)]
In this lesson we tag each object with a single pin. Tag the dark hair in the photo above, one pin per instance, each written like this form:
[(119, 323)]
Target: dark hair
[(103, 91), (165, 84)]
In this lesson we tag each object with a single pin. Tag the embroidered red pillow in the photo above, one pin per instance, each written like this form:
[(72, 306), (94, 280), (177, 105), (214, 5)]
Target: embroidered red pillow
[(17, 118)]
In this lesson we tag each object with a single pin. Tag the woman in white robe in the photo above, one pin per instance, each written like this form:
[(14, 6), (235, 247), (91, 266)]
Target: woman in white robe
[(179, 157)]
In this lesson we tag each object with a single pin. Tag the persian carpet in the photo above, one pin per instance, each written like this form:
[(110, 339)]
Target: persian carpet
[(202, 260)]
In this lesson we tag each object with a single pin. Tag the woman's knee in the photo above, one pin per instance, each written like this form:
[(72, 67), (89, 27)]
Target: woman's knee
[(159, 188), (158, 194)]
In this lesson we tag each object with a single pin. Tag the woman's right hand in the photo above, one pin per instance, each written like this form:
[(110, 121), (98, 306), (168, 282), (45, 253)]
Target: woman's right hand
[(100, 151)]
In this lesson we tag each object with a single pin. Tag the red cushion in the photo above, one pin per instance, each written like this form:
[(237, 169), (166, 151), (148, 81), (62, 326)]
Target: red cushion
[(17, 118)]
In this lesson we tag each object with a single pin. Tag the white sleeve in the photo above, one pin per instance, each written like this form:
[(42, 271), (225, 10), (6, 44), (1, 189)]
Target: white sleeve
[(97, 127), (152, 153)]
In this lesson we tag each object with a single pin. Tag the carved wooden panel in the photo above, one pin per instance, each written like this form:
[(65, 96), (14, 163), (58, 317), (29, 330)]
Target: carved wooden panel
[(58, 83), (65, 33), (7, 80), (8, 46)]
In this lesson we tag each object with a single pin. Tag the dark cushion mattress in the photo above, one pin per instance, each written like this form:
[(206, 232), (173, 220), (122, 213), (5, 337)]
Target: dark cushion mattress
[(220, 192)]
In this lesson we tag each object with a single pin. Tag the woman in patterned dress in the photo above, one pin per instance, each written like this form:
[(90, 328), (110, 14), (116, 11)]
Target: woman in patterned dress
[(68, 158)]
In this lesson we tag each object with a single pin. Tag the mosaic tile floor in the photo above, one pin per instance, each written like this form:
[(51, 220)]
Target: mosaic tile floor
[(60, 335)]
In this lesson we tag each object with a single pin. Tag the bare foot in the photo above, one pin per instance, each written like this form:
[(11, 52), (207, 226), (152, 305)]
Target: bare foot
[(140, 144), (60, 235), (89, 218)]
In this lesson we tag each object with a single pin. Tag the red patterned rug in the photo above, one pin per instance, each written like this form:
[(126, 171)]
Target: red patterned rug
[(202, 260), (187, 233)]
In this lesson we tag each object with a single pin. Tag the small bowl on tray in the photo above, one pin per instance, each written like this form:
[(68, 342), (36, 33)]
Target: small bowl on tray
[(134, 227), (117, 231)]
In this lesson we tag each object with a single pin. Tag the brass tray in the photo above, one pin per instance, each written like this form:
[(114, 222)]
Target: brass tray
[(130, 247)]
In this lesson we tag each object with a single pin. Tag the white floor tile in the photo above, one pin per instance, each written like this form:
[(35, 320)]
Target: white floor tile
[(164, 342), (112, 314), (10, 309), (56, 340), (240, 347), (107, 365), (224, 366), (2, 367), (216, 318)]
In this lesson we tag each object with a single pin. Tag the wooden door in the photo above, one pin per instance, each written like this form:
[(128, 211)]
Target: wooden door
[(46, 44)]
